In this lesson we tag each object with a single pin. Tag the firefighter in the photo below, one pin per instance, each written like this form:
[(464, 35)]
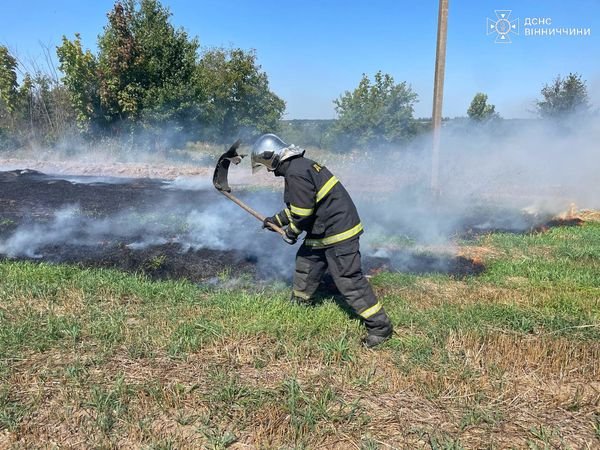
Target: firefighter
[(318, 204)]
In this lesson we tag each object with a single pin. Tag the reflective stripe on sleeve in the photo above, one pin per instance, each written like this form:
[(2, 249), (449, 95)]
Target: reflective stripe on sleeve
[(288, 214), (294, 228), (371, 311), (278, 220), (326, 188), (302, 212), (329, 240)]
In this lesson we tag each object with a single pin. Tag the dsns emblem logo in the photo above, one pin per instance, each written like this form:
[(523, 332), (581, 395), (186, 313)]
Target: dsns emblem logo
[(503, 26)]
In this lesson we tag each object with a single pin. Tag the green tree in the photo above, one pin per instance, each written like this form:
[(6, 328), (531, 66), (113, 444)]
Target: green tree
[(376, 113), (563, 97), (149, 75), (43, 113), (480, 110), (8, 80), (36, 109), (146, 65), (80, 77), (119, 89), (235, 95), (143, 73), (307, 132), (8, 96)]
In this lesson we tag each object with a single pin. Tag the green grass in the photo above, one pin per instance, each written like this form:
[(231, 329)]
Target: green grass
[(11, 410), (109, 404), (134, 356), (562, 257)]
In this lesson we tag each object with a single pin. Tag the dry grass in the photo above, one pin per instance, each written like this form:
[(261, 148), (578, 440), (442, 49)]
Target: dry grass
[(431, 294), (498, 389), (503, 360), (589, 215)]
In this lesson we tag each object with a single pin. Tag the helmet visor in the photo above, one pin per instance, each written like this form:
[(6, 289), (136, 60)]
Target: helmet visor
[(259, 159)]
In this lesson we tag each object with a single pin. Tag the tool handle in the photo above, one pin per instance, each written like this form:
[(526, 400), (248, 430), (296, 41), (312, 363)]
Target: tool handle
[(258, 215)]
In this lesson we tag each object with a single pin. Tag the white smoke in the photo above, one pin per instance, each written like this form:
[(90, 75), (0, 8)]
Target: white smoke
[(190, 184), (214, 224), (506, 175), (93, 179), (209, 229), (27, 240)]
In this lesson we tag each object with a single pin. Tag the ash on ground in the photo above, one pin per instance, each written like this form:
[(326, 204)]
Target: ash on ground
[(171, 230)]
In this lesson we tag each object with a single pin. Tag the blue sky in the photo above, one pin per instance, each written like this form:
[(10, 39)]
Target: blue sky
[(313, 50)]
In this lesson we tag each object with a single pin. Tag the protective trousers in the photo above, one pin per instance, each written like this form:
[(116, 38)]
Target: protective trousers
[(343, 262)]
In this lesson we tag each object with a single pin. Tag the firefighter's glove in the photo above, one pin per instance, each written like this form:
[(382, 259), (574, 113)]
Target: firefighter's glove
[(267, 221), (290, 237)]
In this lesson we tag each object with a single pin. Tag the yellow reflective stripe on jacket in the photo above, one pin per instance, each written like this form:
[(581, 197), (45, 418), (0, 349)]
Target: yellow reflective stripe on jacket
[(292, 225), (371, 311), (302, 212), (326, 188), (329, 240)]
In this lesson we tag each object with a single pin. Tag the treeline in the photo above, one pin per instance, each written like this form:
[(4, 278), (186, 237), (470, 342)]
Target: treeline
[(36, 109), (563, 98), (151, 82), (147, 77)]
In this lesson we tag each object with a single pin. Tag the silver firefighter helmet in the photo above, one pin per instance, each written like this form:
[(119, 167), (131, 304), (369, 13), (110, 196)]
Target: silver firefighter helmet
[(269, 151)]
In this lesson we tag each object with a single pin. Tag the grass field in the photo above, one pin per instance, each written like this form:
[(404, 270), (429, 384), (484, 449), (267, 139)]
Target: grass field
[(506, 359)]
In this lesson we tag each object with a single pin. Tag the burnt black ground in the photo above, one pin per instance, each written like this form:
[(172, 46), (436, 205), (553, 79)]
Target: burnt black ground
[(29, 198), (29, 201), (28, 193)]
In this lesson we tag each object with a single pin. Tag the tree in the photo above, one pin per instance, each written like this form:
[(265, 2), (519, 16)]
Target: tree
[(375, 114), (119, 89), (8, 80), (146, 65), (235, 95), (480, 110), (43, 112), (143, 73), (35, 109), (8, 95), (563, 97), (149, 75), (80, 77)]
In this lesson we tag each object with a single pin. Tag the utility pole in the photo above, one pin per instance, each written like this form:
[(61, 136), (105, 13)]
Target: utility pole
[(438, 93)]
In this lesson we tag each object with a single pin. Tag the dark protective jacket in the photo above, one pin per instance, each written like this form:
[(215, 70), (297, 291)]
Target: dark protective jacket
[(316, 203)]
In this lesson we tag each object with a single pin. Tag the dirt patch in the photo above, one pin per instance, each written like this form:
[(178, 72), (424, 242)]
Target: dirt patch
[(109, 169)]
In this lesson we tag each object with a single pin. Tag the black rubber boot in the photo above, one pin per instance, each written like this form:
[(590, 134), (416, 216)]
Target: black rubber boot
[(379, 329), (295, 300)]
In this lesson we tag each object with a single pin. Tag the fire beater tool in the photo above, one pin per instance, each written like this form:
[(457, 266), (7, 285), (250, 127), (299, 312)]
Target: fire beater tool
[(221, 184)]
